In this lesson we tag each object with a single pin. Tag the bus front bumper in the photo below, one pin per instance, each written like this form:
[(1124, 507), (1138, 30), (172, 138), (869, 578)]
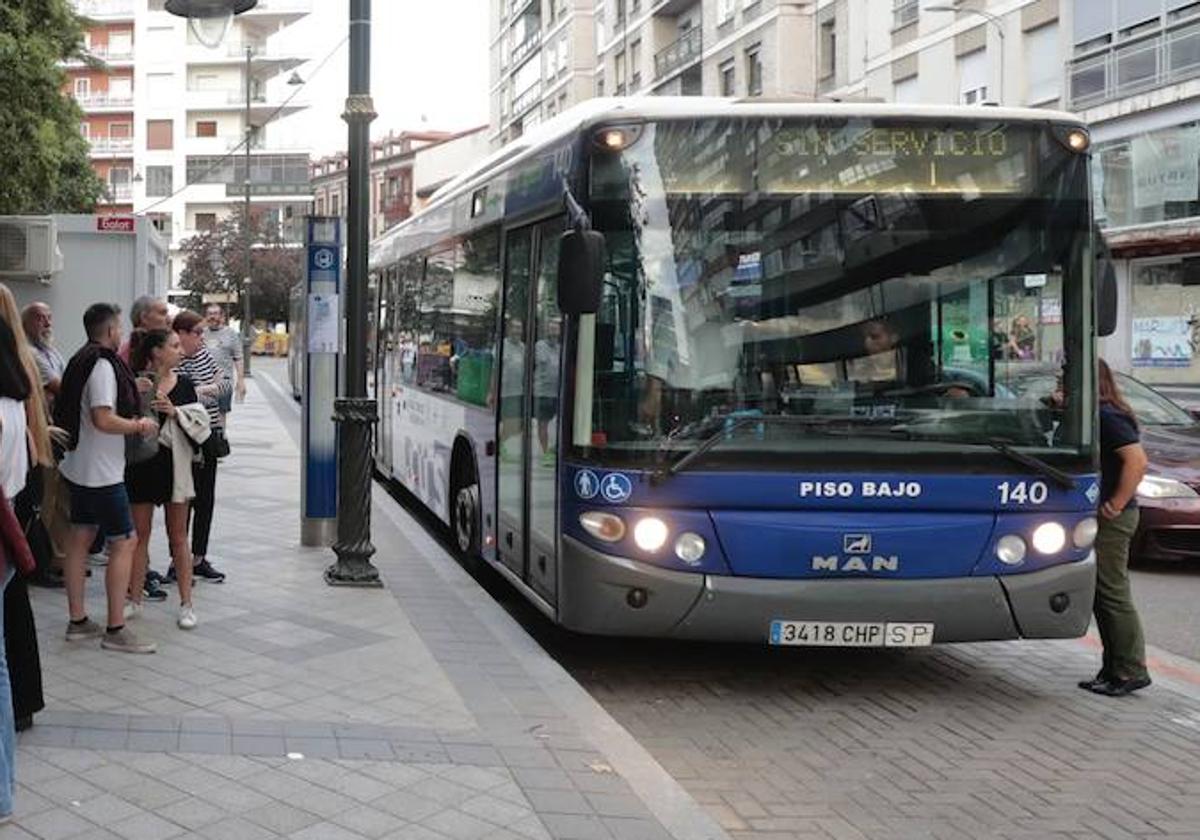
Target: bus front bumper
[(607, 595)]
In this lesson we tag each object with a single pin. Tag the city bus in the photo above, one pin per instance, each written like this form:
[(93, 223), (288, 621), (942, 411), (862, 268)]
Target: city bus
[(756, 371)]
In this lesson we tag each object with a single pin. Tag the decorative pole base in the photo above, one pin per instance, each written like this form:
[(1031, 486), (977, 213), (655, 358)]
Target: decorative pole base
[(355, 418)]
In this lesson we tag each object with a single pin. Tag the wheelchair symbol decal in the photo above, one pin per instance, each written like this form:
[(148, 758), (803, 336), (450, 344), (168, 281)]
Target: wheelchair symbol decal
[(615, 488)]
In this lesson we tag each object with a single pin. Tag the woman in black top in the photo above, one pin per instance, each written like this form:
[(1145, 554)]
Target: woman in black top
[(150, 482), (1122, 465)]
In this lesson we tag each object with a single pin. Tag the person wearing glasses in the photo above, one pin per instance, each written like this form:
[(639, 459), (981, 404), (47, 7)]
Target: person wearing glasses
[(212, 387)]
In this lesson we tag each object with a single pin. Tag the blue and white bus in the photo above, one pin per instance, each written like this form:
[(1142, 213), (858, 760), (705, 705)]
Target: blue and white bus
[(755, 371)]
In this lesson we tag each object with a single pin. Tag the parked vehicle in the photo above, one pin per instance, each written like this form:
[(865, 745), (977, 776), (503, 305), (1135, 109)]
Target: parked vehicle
[(1169, 496)]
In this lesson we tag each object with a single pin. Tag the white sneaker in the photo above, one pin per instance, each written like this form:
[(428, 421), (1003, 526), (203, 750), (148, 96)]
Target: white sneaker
[(132, 610), (187, 617)]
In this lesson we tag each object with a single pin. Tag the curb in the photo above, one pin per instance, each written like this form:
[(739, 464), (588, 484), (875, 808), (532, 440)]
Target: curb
[(666, 799)]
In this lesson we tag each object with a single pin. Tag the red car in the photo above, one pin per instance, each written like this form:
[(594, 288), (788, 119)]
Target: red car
[(1169, 495)]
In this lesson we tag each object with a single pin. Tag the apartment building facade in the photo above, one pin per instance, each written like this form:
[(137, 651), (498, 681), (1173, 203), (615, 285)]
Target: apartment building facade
[(1133, 72), (542, 61), (395, 163), (167, 108)]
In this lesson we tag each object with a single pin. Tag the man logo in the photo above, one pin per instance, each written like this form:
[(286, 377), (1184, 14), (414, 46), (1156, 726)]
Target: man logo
[(856, 543)]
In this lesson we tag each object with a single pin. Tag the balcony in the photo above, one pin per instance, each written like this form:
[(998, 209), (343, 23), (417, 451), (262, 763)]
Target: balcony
[(228, 142), (396, 209), (105, 102), (105, 9), (672, 8), (521, 50), (685, 50), (1163, 59), (527, 100), (269, 188), (118, 194), (119, 146)]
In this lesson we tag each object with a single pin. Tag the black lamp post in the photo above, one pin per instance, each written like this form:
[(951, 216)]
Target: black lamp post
[(354, 411)]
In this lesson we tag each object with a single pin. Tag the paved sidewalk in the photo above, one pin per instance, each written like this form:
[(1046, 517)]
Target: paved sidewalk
[(299, 710)]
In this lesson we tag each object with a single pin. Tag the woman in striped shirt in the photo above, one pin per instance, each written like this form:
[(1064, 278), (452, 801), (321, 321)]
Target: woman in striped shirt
[(212, 386)]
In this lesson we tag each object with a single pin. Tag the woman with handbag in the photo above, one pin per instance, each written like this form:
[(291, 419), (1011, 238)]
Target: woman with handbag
[(20, 631), (150, 481), (213, 386)]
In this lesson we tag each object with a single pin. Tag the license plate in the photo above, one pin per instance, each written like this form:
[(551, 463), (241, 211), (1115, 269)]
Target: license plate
[(852, 633)]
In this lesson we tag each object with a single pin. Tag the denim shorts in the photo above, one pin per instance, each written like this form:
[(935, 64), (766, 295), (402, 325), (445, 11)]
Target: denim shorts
[(104, 508)]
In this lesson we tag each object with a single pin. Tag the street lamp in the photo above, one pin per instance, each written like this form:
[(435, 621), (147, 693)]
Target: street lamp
[(195, 10), (354, 411), (993, 19)]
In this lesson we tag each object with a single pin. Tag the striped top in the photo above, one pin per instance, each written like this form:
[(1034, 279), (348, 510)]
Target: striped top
[(204, 371)]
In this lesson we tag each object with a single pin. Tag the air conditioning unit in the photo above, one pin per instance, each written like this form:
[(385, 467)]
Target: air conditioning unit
[(29, 247)]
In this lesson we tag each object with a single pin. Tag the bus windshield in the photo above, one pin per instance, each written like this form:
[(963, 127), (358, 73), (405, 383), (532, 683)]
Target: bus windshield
[(888, 286)]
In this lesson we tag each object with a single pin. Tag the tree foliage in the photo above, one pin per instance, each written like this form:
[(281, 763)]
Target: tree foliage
[(216, 262), (43, 157)]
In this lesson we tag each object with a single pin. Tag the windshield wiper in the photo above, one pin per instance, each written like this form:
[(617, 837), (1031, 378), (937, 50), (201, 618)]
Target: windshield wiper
[(1062, 479), (728, 425)]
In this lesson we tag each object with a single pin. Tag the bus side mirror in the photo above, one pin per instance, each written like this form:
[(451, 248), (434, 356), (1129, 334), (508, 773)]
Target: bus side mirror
[(1106, 295), (581, 263)]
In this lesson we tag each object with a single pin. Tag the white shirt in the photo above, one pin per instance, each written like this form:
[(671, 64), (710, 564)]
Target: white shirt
[(14, 448), (98, 460)]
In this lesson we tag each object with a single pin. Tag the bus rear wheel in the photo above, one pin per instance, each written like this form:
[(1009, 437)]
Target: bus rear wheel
[(465, 519)]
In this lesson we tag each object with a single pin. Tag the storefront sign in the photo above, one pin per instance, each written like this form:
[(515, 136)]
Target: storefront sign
[(1051, 310), (116, 224), (1162, 342), (1166, 166)]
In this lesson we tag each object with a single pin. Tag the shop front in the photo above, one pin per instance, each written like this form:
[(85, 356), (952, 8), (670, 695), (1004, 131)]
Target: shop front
[(1147, 189)]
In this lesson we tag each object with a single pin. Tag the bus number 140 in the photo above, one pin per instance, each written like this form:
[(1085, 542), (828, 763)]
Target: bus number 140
[(1022, 492)]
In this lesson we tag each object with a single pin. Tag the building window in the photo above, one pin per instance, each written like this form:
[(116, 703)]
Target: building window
[(904, 12), (1043, 65), (635, 64), (206, 128), (906, 91), (161, 222), (972, 78), (728, 80), (754, 71), (828, 47), (86, 130), (159, 180), (160, 134), (599, 84), (619, 73), (725, 10), (83, 87), (206, 221)]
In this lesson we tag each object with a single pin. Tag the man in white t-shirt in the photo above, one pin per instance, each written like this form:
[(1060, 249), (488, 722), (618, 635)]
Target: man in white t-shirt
[(97, 390)]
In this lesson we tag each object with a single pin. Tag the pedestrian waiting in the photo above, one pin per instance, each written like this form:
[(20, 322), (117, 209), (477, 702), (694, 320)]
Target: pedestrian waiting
[(213, 387), (98, 407), (163, 476)]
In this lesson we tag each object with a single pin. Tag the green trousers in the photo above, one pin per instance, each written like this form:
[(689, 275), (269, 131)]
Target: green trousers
[(1116, 616)]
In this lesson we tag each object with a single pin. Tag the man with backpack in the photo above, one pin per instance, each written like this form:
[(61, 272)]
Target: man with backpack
[(97, 407)]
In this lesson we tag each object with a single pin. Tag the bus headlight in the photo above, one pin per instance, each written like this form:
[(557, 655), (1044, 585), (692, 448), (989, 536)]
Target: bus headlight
[(689, 548), (1085, 533), (1010, 550), (603, 526), (1049, 538), (650, 534), (1157, 487)]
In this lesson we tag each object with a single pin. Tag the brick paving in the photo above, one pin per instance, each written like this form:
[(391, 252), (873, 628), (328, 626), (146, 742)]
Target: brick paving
[(979, 741), (305, 711), (423, 711)]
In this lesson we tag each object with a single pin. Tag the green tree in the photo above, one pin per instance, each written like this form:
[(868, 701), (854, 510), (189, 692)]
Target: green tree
[(43, 157), (216, 262)]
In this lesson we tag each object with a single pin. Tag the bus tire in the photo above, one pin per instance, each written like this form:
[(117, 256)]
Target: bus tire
[(465, 513)]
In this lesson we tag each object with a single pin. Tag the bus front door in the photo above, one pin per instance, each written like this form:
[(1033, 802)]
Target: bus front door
[(514, 395), (529, 422)]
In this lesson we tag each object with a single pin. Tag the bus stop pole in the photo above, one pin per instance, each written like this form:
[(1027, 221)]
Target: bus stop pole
[(354, 412), (319, 377)]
